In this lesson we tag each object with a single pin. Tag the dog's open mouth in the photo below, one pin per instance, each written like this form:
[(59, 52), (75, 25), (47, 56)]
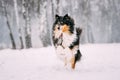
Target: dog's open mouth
[(61, 35), (60, 39)]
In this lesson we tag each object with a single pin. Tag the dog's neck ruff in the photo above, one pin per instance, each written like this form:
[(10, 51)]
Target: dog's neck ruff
[(66, 40)]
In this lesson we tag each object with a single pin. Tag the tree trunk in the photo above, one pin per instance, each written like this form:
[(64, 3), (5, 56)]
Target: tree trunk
[(8, 24), (17, 21), (53, 14), (57, 9), (26, 16)]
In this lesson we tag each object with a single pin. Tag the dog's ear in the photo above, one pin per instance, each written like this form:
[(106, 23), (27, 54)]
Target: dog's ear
[(66, 16), (56, 16)]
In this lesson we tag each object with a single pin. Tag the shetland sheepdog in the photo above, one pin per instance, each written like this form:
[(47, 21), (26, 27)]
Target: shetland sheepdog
[(66, 40)]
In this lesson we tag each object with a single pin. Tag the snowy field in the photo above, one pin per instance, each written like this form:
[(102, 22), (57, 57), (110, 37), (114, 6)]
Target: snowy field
[(99, 62)]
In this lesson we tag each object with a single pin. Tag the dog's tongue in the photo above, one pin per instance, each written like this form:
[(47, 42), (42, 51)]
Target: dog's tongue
[(60, 39), (61, 36)]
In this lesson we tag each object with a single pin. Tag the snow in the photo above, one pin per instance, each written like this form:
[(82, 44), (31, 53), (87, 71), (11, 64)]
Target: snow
[(99, 62)]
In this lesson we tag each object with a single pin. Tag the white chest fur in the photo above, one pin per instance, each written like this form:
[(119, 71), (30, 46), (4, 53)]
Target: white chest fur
[(66, 53), (68, 39)]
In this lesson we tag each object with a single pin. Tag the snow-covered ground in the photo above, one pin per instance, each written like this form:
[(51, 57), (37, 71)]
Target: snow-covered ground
[(99, 62)]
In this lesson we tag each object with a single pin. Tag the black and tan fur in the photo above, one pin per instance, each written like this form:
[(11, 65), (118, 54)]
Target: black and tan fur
[(66, 39)]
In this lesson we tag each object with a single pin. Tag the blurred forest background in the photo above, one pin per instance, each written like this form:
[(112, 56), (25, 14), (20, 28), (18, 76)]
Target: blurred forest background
[(28, 23)]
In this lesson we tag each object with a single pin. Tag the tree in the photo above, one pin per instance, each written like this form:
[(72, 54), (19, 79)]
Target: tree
[(4, 6), (44, 27), (57, 9), (17, 21), (26, 17)]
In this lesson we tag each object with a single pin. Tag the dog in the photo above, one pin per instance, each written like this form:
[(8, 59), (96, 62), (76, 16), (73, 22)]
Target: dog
[(66, 40)]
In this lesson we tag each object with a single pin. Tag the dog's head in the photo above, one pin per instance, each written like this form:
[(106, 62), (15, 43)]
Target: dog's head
[(63, 24)]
